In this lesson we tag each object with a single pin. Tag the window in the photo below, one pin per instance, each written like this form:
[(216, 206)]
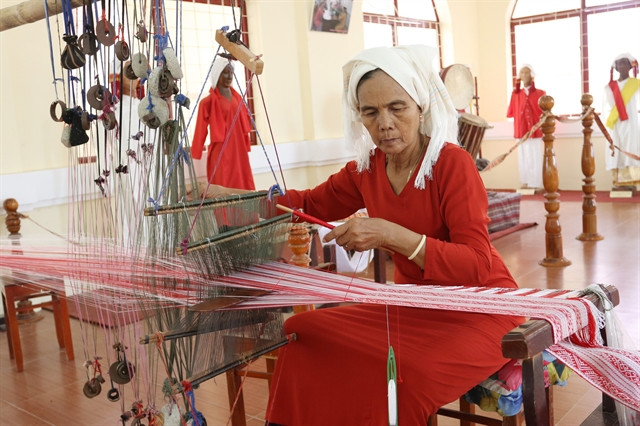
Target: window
[(195, 44), (196, 40), (398, 22), (571, 45)]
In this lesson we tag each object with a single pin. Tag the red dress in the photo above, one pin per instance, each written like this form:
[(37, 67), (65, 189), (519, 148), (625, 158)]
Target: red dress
[(336, 371), (525, 111), (227, 164)]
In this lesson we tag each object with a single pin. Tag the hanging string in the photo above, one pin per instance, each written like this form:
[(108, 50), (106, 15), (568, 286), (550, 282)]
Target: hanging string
[(273, 141), (53, 68)]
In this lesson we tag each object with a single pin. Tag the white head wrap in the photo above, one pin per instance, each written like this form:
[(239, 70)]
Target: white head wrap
[(219, 64), (411, 67), (531, 70), (623, 56)]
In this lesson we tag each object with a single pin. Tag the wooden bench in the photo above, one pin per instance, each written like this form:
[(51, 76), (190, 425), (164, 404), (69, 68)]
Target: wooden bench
[(526, 343)]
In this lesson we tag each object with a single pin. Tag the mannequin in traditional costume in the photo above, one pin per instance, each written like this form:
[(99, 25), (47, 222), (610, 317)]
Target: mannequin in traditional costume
[(525, 112), (223, 117), (622, 100)]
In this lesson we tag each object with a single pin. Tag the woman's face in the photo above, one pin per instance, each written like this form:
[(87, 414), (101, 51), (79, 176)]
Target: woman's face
[(525, 76), (623, 66), (390, 115), (226, 78)]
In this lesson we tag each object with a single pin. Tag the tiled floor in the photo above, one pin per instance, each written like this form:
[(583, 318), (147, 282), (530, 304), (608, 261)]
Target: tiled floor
[(49, 390)]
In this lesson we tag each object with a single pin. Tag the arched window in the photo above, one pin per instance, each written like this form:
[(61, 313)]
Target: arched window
[(571, 45), (397, 22)]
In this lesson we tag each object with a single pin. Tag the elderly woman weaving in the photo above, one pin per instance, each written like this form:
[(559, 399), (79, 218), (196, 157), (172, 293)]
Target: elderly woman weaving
[(427, 204)]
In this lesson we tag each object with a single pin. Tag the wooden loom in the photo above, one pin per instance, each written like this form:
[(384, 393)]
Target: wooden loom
[(204, 317), (180, 328)]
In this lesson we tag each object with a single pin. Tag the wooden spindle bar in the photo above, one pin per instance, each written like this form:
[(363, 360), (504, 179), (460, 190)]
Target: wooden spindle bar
[(589, 218), (553, 235)]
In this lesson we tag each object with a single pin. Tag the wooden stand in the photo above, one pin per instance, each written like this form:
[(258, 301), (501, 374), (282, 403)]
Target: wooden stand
[(589, 218), (553, 237)]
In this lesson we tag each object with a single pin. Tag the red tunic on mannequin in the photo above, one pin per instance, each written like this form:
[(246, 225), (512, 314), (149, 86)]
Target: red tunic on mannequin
[(525, 111), (336, 370), (227, 163)]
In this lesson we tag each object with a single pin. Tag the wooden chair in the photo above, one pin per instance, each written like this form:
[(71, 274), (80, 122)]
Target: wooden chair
[(16, 288)]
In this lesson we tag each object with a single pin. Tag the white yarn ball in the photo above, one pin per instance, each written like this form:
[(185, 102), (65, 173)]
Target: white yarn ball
[(154, 80), (172, 63), (160, 111), (140, 65)]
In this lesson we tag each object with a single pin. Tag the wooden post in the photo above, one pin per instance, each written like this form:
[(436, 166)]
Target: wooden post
[(589, 218), (553, 236)]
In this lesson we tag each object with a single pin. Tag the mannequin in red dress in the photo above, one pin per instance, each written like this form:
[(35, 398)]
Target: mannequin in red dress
[(427, 204), (223, 117), (526, 112)]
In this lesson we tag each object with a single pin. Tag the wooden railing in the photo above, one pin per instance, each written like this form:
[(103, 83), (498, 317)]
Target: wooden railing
[(553, 230), (589, 218)]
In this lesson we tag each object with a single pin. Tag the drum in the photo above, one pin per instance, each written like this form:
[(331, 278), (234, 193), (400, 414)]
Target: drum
[(458, 80), (470, 132)]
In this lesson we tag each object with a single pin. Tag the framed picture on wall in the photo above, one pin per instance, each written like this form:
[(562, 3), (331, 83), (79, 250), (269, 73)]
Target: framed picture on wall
[(331, 16)]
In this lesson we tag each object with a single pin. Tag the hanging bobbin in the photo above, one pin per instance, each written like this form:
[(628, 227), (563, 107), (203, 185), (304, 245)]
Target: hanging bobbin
[(105, 32), (97, 95), (122, 50), (88, 43)]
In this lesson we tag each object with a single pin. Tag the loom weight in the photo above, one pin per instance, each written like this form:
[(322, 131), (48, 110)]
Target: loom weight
[(113, 395), (121, 371), (93, 387)]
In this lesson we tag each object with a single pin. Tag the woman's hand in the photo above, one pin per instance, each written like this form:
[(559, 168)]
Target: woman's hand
[(362, 234), (359, 233)]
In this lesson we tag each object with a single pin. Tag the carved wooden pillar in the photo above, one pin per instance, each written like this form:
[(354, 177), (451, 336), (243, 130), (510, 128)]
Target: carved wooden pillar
[(589, 218), (553, 236)]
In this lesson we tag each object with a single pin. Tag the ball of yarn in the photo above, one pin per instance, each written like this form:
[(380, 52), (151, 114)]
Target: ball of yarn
[(140, 65), (172, 63), (153, 111)]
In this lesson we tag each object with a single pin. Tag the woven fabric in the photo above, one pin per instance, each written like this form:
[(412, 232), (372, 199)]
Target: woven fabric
[(504, 210), (575, 321)]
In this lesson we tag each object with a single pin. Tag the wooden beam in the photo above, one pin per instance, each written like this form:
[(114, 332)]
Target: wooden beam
[(241, 53), (30, 11)]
